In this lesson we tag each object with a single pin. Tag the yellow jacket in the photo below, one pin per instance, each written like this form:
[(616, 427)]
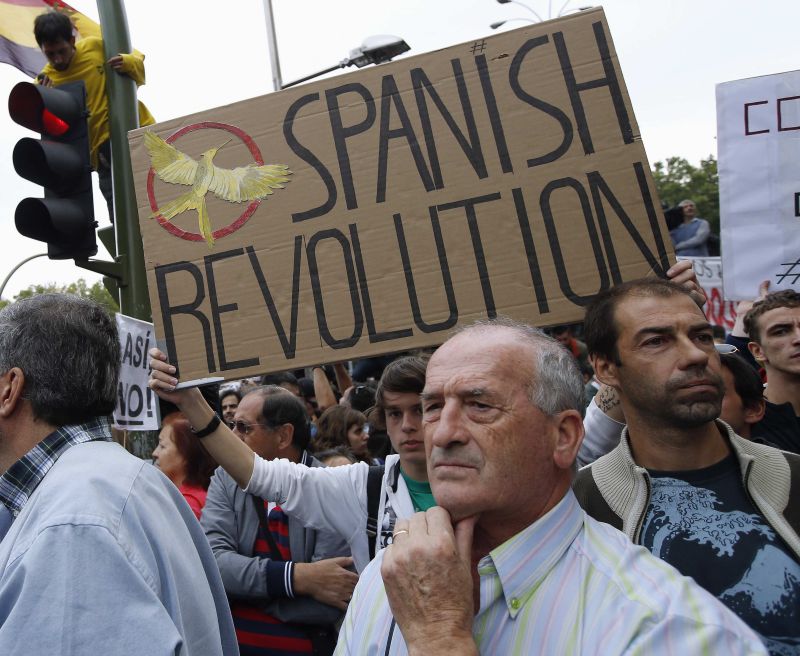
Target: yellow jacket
[(89, 64)]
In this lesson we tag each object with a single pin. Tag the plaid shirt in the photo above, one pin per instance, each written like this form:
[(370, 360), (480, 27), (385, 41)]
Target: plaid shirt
[(21, 479)]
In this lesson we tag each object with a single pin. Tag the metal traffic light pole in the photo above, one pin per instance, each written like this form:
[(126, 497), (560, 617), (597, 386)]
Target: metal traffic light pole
[(123, 116)]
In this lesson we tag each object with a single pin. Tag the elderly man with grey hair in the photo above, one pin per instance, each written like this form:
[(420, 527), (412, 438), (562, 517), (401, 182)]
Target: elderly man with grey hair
[(99, 553), (690, 238), (509, 563)]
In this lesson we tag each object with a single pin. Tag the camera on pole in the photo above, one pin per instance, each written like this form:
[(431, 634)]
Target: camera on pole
[(59, 162)]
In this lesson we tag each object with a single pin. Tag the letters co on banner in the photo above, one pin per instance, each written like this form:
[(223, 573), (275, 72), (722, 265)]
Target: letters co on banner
[(137, 406), (374, 211), (758, 122)]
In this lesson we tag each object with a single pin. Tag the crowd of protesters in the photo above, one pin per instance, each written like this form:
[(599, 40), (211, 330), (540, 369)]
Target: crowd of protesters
[(487, 496), (434, 501), (471, 499)]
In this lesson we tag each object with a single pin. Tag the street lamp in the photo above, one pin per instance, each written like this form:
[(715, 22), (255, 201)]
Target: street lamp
[(561, 12), (374, 50), (494, 26), (522, 4), (11, 273)]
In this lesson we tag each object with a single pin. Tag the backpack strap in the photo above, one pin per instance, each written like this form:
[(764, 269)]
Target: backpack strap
[(374, 484)]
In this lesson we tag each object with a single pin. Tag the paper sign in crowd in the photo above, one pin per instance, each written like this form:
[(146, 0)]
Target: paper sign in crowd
[(137, 406), (758, 136)]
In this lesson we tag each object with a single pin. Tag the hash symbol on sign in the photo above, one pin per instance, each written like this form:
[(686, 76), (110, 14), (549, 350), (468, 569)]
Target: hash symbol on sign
[(789, 273), (478, 46)]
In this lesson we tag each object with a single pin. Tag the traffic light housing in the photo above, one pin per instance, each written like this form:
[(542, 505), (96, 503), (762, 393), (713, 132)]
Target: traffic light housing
[(64, 218)]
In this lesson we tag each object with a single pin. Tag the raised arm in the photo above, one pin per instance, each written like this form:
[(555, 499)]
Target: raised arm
[(322, 389), (325, 499), (343, 380), (229, 451)]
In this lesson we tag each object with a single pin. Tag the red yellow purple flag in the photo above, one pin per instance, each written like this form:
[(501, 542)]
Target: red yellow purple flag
[(17, 45)]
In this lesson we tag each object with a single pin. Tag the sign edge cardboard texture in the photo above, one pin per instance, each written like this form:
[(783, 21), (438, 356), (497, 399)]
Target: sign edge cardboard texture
[(250, 331)]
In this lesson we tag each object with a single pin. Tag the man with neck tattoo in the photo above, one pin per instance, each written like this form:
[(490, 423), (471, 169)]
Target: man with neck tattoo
[(719, 508)]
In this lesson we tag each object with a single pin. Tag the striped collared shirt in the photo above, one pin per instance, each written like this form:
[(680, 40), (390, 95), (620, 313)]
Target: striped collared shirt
[(20, 480), (568, 584)]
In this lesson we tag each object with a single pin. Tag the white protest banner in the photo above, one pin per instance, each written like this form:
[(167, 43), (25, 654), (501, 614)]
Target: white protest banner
[(137, 406), (719, 311), (758, 135)]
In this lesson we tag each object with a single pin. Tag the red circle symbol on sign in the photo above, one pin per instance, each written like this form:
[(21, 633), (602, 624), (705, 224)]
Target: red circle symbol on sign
[(170, 227)]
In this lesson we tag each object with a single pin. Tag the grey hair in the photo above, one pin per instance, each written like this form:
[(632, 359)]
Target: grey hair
[(556, 383), (68, 348), (686, 202)]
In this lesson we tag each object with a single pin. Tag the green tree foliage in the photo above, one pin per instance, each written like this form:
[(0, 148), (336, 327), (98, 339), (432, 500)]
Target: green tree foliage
[(97, 292), (677, 180)]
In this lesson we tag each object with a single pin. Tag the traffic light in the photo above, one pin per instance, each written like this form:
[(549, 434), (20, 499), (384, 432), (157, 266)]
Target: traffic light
[(59, 162)]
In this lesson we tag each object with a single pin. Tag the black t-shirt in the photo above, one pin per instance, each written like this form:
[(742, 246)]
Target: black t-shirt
[(780, 427), (703, 523)]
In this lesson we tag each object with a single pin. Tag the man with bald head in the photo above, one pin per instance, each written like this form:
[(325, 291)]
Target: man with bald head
[(509, 563)]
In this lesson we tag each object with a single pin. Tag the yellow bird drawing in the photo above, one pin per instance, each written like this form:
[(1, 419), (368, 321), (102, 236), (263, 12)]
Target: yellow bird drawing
[(244, 183)]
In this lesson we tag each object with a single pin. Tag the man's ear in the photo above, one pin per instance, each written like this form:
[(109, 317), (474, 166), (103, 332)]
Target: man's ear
[(285, 435), (757, 352), (605, 370), (755, 413), (568, 438), (12, 383)]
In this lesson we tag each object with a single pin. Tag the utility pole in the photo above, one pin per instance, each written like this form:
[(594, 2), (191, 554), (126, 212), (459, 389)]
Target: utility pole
[(272, 44), (128, 269)]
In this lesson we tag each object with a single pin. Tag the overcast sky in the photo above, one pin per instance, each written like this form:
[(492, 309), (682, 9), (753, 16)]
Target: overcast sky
[(201, 55)]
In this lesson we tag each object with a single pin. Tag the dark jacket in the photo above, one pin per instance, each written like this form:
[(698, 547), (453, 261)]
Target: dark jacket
[(231, 523)]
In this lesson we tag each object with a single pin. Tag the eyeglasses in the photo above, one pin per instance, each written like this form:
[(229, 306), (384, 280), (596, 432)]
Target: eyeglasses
[(243, 428), (726, 349)]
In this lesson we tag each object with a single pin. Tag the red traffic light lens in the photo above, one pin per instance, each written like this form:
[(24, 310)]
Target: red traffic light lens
[(52, 124)]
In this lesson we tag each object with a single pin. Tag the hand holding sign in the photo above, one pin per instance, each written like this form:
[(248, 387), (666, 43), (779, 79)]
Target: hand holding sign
[(231, 453), (683, 273)]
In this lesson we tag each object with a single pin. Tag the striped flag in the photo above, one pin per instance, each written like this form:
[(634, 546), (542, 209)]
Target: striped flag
[(17, 45)]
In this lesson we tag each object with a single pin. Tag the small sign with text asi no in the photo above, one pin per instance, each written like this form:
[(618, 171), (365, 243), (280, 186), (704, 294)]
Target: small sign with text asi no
[(137, 406), (758, 136)]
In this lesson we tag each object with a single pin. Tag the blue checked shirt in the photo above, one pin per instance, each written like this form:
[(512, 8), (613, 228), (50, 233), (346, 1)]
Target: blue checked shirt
[(21, 479)]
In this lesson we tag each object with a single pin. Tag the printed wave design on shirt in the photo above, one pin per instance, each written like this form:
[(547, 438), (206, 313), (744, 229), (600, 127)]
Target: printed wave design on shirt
[(769, 586), (691, 511)]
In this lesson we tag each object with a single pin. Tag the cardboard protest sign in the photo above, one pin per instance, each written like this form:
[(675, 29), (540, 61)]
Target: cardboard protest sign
[(758, 136), (137, 406), (719, 312), (381, 208)]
